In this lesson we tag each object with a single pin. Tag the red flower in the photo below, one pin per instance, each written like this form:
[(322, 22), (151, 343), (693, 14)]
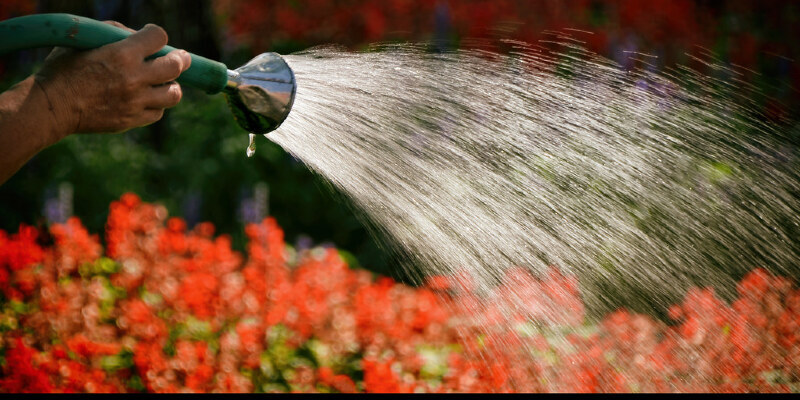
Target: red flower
[(87, 348), (379, 378), (199, 292), (20, 372), (189, 315)]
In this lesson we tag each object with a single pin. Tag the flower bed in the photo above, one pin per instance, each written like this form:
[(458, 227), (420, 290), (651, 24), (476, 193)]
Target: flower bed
[(168, 309)]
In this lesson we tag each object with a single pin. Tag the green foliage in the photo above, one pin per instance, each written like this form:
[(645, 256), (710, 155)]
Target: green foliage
[(121, 361), (103, 266)]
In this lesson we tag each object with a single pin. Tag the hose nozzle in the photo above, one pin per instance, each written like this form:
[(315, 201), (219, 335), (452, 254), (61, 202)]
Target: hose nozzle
[(261, 93)]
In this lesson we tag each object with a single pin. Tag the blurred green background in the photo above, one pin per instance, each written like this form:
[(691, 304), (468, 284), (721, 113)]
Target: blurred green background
[(193, 160)]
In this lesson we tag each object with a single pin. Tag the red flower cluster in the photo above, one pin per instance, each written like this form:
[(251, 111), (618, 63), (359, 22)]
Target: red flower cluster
[(19, 252), (177, 310)]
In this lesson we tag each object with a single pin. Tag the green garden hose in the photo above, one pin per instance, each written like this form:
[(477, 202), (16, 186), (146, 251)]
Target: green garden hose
[(260, 93), (45, 30)]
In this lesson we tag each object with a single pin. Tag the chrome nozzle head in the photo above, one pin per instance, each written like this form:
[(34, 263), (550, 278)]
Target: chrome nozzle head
[(261, 93)]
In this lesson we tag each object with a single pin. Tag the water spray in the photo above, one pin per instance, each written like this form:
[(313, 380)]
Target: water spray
[(260, 93)]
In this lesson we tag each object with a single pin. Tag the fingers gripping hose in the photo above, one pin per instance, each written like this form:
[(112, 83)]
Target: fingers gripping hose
[(260, 93), (45, 30)]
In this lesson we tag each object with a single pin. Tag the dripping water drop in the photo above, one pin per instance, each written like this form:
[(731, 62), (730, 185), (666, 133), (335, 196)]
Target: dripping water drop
[(251, 148)]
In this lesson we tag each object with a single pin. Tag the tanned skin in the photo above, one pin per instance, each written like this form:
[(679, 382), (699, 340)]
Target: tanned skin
[(106, 90)]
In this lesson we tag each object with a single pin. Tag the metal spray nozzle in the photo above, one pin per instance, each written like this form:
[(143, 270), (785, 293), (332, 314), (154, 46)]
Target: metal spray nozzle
[(261, 93)]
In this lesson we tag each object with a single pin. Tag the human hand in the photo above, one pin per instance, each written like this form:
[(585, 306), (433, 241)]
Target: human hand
[(112, 88)]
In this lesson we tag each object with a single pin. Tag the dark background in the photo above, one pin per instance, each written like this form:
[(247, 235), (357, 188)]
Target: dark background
[(193, 160)]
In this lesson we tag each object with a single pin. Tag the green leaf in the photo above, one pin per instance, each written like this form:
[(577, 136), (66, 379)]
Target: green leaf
[(123, 360)]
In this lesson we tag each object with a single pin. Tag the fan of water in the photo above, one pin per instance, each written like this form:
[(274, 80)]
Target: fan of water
[(470, 162)]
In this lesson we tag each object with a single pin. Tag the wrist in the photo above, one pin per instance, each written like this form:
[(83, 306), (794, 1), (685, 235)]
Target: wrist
[(60, 118), (27, 125)]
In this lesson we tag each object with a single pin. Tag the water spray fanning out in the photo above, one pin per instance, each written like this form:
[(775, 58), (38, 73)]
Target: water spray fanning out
[(474, 163), (260, 93)]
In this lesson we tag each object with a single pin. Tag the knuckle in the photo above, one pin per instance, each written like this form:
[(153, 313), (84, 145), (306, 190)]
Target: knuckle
[(158, 32), (174, 94), (156, 115), (130, 87), (132, 98), (124, 56), (187, 59), (174, 65), (124, 122)]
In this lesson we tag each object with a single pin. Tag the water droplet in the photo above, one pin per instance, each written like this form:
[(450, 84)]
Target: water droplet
[(251, 148)]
